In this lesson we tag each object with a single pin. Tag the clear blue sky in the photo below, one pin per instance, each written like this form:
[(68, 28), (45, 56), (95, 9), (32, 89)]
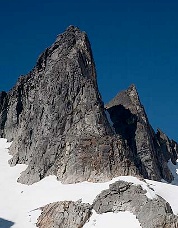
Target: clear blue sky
[(133, 41)]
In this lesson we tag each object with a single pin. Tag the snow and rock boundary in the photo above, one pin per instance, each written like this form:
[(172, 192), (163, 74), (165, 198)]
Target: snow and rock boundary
[(21, 205)]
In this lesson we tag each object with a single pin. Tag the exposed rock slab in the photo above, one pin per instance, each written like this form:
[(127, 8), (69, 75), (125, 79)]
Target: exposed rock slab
[(65, 214)]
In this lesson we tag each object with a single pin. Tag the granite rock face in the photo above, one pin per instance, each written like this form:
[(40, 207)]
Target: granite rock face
[(121, 196), (57, 121), (151, 151)]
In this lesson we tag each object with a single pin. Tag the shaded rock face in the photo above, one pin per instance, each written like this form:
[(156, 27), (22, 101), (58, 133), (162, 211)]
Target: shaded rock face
[(169, 148), (151, 151), (121, 196), (3, 111), (56, 118)]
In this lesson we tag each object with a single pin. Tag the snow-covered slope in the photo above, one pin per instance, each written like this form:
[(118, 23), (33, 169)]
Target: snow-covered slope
[(20, 204), (168, 191)]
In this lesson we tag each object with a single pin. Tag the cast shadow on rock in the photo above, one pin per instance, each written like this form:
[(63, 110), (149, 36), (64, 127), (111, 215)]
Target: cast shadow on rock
[(125, 125)]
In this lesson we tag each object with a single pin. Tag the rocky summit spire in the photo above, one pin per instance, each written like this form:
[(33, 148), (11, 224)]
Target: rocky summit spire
[(130, 121), (56, 119)]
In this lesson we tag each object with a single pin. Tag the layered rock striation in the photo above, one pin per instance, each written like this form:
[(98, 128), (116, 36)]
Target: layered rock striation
[(57, 121)]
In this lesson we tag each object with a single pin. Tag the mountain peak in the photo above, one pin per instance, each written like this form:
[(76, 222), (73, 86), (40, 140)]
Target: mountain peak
[(58, 124), (72, 28), (131, 122), (58, 105), (128, 97), (132, 87), (132, 90), (56, 119)]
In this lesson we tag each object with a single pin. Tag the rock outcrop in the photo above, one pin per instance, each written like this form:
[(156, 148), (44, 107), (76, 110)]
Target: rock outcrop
[(121, 196), (64, 215), (56, 119)]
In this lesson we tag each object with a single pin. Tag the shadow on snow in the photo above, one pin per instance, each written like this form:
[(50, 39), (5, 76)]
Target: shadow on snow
[(5, 223)]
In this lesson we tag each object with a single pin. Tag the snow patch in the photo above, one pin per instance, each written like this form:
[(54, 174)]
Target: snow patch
[(112, 220), (167, 192), (109, 120), (149, 192)]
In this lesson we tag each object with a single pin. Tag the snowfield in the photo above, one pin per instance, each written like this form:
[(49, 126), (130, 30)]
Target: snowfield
[(20, 204)]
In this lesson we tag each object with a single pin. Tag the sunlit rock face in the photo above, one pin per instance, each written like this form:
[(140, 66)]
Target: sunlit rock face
[(56, 118), (58, 124)]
